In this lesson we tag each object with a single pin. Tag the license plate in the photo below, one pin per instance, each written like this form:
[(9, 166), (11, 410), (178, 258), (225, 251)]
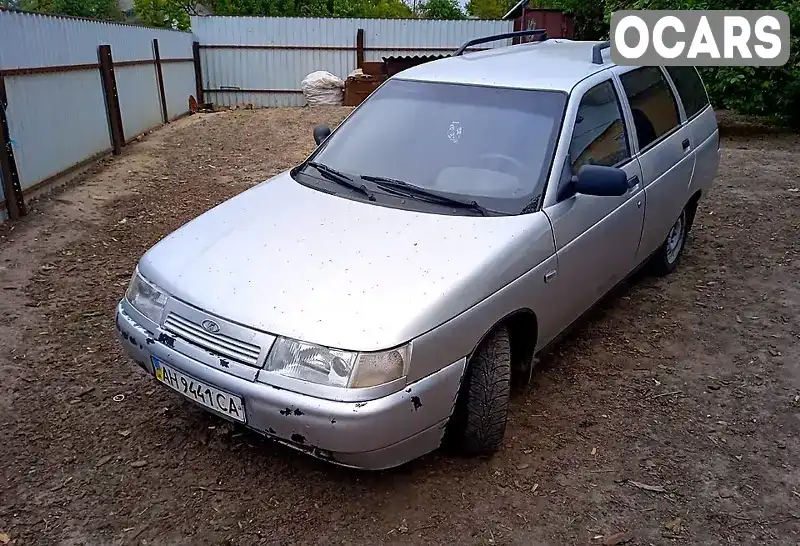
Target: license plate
[(206, 395)]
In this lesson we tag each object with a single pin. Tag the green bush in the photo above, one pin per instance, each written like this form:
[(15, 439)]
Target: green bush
[(764, 91)]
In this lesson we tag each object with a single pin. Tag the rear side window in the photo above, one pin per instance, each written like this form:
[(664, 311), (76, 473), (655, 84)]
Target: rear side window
[(598, 137), (690, 88), (653, 105)]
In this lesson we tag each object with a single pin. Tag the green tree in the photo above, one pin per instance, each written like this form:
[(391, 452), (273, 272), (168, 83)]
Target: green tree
[(172, 14), (489, 9), (766, 91), (375, 9), (388, 9), (441, 9), (96, 9)]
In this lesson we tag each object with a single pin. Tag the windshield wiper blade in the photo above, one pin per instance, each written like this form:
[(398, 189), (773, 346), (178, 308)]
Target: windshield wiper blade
[(340, 178), (400, 187)]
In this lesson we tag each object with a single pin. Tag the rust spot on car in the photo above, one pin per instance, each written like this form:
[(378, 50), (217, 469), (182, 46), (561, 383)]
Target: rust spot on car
[(333, 421), (224, 363), (287, 411), (298, 411), (299, 438), (408, 389), (417, 402), (361, 404), (169, 341)]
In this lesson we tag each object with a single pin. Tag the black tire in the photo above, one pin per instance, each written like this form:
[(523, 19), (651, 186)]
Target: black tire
[(479, 423), (667, 257)]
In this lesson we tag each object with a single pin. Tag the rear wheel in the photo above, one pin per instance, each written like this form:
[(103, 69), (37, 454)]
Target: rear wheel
[(666, 259), (479, 423)]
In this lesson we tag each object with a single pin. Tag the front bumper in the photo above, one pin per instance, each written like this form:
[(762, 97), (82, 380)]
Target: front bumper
[(375, 434)]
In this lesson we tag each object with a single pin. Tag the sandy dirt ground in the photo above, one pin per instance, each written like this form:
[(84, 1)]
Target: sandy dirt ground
[(670, 416)]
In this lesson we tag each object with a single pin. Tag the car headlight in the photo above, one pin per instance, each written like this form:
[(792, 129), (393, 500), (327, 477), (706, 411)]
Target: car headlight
[(146, 297), (317, 364)]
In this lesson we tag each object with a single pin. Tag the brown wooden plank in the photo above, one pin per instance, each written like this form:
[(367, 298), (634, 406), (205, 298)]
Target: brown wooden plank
[(12, 188), (139, 62), (280, 46), (112, 98), (252, 90), (198, 72), (360, 48), (46, 69), (160, 77)]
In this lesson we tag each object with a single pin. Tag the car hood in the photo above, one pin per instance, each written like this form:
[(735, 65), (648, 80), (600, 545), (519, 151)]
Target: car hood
[(290, 260)]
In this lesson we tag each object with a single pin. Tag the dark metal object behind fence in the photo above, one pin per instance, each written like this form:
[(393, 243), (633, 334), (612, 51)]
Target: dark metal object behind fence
[(112, 98), (15, 203)]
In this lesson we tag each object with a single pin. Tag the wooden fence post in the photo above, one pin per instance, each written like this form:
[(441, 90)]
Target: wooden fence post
[(160, 80), (112, 98), (12, 189), (360, 48), (198, 74)]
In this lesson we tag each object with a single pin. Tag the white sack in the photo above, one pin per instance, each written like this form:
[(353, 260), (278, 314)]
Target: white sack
[(323, 88)]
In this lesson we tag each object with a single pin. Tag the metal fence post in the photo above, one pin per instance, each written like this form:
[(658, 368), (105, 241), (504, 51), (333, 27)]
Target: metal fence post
[(360, 48), (160, 80), (112, 98), (15, 203), (198, 73)]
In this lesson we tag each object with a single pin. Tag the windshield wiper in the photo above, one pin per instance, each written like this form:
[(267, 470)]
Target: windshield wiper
[(340, 178), (398, 187)]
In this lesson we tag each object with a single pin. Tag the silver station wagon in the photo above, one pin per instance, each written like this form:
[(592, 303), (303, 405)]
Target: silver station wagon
[(384, 297)]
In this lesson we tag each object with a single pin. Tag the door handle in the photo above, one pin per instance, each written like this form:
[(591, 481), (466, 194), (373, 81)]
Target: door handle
[(686, 144), (633, 181)]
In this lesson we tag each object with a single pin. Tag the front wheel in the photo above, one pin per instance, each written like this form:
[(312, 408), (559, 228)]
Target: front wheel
[(479, 423), (666, 258)]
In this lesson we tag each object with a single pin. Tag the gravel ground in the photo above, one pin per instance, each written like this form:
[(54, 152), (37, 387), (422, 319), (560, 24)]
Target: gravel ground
[(669, 417)]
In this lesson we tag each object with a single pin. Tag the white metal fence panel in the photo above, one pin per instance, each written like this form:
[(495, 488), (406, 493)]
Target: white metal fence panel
[(179, 83), (56, 106), (31, 40), (55, 121), (262, 60), (139, 99)]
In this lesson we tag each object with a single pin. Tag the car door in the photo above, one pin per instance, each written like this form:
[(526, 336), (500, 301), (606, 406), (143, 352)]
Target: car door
[(701, 123), (664, 149), (596, 238)]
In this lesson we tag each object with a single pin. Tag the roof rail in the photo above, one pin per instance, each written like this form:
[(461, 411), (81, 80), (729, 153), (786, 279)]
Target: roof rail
[(597, 51), (538, 32)]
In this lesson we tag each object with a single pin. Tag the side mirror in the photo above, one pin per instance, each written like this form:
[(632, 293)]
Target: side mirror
[(600, 181), (321, 132)]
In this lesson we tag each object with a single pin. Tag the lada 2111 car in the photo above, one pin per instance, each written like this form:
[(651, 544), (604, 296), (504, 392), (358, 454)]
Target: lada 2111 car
[(385, 295)]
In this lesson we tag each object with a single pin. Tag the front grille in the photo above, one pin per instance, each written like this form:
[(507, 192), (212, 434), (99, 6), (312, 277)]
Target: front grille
[(239, 351)]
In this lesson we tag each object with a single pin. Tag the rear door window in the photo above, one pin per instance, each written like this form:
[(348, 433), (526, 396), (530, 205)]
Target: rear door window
[(690, 88), (598, 137), (655, 112)]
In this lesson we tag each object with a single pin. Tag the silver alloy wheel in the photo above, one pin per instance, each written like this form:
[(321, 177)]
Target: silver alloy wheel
[(675, 238)]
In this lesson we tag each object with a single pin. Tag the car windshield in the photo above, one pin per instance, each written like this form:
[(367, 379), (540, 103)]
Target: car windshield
[(490, 145)]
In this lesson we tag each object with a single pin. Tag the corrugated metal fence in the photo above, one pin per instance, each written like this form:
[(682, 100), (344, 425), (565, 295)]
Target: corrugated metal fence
[(72, 89), (262, 60), (52, 90)]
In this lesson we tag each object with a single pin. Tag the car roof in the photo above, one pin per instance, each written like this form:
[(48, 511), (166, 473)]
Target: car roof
[(556, 64)]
